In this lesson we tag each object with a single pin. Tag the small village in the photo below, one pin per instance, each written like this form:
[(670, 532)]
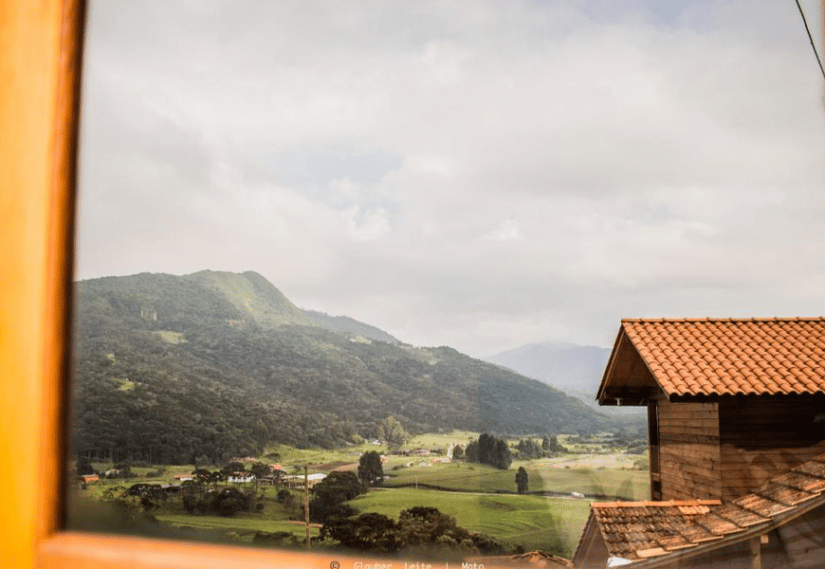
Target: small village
[(735, 459)]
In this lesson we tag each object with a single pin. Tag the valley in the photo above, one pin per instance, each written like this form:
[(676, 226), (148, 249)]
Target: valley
[(479, 497), (201, 399)]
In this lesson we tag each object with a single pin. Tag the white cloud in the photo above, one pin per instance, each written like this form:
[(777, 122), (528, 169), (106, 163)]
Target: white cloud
[(508, 231), (662, 158), (368, 225), (344, 189)]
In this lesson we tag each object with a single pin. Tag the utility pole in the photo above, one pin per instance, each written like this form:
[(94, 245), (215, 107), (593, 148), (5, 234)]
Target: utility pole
[(306, 503)]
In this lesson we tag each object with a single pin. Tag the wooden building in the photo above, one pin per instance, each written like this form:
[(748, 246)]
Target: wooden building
[(731, 402), (736, 422)]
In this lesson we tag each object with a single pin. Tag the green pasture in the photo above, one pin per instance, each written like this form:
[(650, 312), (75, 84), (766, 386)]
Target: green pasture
[(244, 525), (535, 522), (294, 459), (441, 440), (542, 476)]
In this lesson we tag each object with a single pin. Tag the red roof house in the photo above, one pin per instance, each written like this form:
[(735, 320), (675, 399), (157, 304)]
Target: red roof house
[(731, 402), (736, 425)]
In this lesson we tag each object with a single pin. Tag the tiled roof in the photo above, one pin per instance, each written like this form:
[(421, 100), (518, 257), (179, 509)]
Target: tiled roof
[(635, 530), (732, 356), (642, 530)]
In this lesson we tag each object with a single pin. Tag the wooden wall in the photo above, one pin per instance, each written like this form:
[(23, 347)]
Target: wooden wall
[(765, 436), (689, 458)]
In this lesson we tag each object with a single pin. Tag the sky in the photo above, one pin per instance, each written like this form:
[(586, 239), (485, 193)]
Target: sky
[(481, 174)]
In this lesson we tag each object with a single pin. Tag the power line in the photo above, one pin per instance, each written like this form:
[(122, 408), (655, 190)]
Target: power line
[(807, 29)]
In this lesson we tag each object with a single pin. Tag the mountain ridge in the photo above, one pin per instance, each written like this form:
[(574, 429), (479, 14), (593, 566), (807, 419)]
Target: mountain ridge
[(219, 363)]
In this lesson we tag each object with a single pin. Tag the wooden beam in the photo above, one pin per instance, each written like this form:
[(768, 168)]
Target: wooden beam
[(756, 553)]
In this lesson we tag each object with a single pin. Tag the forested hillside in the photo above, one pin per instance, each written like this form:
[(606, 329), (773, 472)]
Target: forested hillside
[(170, 369)]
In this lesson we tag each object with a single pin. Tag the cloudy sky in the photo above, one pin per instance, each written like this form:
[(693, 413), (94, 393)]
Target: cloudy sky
[(478, 173)]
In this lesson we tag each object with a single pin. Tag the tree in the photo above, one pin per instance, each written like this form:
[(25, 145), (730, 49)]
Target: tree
[(228, 501), (521, 480), (370, 469), (368, 532), (471, 452), (84, 465), (501, 455), (458, 452), (259, 470), (233, 467), (393, 432), (329, 495)]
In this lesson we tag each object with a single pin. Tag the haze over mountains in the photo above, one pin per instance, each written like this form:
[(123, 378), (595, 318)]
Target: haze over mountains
[(575, 370), (171, 368), (569, 367)]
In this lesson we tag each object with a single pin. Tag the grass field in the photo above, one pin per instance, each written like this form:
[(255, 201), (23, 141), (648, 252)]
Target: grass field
[(535, 522), (243, 526), (543, 475), (480, 497)]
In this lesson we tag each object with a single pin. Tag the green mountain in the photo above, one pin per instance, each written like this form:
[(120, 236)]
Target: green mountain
[(170, 369)]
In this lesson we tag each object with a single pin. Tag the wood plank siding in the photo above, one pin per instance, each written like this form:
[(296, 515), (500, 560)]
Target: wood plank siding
[(767, 435), (689, 455)]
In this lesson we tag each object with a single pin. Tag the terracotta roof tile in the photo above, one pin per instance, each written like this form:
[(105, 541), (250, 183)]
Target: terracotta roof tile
[(732, 356), (641, 530), (802, 482), (631, 529)]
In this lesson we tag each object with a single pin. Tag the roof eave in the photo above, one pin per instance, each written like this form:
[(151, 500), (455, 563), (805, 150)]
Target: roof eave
[(622, 397), (732, 539)]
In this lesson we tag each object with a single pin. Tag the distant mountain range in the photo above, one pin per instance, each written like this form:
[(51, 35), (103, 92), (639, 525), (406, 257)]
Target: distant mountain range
[(574, 369), (565, 366), (171, 368)]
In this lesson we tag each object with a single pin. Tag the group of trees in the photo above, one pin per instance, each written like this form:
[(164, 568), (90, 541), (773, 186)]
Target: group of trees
[(489, 449), (225, 502), (418, 528), (551, 444), (393, 432), (529, 449)]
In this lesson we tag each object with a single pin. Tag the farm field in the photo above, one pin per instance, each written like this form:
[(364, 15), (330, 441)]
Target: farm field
[(544, 476), (243, 526), (534, 522), (481, 498)]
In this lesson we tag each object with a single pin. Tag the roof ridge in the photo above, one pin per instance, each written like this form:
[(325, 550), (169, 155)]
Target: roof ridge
[(655, 503), (697, 357), (729, 319)]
